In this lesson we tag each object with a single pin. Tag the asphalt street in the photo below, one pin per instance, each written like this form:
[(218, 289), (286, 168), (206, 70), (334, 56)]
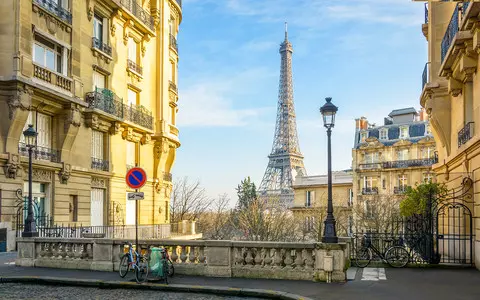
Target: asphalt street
[(371, 283)]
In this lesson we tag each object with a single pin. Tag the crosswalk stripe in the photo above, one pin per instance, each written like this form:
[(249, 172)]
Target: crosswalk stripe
[(374, 274)]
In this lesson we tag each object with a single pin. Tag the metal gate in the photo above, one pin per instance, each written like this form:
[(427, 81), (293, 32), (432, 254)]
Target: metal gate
[(442, 234)]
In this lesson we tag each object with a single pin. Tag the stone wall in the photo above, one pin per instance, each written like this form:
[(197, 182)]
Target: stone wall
[(294, 261)]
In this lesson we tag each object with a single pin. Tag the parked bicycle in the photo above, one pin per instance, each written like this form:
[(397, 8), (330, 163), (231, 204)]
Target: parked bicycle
[(170, 267), (395, 256), (135, 261)]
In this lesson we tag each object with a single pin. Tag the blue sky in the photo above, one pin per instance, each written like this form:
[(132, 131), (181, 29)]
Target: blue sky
[(366, 54)]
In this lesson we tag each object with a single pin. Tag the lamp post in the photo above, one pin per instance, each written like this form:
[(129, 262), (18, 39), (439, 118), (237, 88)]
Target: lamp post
[(328, 111), (30, 229)]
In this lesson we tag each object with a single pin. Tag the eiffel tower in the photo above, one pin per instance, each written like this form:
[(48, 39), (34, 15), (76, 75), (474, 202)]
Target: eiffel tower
[(285, 160)]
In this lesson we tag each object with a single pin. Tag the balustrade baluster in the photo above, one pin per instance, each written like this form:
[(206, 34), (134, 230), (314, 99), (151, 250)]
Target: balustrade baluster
[(299, 261), (278, 260), (259, 256), (191, 255), (249, 257), (309, 262), (268, 257), (288, 258), (183, 255), (201, 255), (174, 256), (239, 256)]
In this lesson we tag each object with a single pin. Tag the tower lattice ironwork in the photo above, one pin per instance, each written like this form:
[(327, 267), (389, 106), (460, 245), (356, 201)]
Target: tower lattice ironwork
[(285, 160)]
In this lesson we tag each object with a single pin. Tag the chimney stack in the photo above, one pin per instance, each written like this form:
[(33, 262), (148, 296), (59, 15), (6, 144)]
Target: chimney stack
[(423, 114)]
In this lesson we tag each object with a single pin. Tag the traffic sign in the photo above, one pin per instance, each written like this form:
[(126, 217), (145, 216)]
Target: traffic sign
[(136, 196), (136, 178)]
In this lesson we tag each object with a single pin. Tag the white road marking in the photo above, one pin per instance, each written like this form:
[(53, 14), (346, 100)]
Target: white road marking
[(374, 274), (10, 263)]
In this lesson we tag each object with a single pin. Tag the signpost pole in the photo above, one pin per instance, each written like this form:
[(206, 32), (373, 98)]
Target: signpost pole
[(135, 179), (136, 224)]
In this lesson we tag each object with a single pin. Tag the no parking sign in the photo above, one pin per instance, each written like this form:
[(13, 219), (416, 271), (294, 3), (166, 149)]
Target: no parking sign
[(136, 178)]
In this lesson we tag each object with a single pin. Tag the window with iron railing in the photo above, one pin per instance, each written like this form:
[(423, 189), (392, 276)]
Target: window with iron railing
[(59, 8)]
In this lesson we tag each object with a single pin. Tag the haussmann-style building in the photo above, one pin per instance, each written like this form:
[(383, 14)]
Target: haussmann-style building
[(98, 81), (451, 96)]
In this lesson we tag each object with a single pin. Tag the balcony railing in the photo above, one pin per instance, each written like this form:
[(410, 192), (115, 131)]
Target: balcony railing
[(106, 101), (134, 67), (100, 164), (139, 115), (452, 30), (179, 2), (426, 13), (138, 12), (399, 189), (52, 7), (424, 162), (370, 190), (97, 44), (369, 166), (40, 153), (172, 86), (425, 76), (167, 176), (52, 77), (173, 42), (465, 134)]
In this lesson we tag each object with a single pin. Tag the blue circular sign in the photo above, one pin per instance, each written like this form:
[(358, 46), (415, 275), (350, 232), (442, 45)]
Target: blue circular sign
[(136, 178)]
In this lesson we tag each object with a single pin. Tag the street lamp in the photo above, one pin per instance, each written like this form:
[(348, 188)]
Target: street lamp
[(328, 111), (30, 230)]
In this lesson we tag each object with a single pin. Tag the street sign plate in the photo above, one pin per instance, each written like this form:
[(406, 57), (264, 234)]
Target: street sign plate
[(135, 196), (136, 178)]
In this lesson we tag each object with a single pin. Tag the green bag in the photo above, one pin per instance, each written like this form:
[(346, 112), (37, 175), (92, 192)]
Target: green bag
[(156, 262)]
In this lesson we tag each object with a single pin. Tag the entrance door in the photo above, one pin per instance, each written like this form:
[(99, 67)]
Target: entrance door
[(96, 207), (130, 207)]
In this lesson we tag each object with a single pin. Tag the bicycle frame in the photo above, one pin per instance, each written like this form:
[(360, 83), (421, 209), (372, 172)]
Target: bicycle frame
[(132, 263)]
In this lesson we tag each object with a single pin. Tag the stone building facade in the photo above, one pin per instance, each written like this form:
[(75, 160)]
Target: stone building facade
[(451, 96), (97, 79), (390, 157)]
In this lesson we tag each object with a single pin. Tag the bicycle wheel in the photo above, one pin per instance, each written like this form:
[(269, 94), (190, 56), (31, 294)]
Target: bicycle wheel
[(363, 257), (124, 266), (397, 256), (171, 268), (141, 271)]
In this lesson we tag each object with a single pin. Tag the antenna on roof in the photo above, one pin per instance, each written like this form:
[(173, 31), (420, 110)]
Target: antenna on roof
[(286, 31)]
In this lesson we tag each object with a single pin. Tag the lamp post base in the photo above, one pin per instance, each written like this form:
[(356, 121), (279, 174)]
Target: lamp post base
[(329, 235), (30, 234)]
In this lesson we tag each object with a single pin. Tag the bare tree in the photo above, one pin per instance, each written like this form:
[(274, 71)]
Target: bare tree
[(310, 222), (216, 223), (378, 213), (189, 200)]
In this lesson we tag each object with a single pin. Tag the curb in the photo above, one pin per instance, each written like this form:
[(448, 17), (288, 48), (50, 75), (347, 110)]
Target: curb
[(216, 290)]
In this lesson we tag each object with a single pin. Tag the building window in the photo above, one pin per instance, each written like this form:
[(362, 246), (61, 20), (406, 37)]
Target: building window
[(428, 152), (73, 208), (98, 151), (131, 155), (403, 132), (308, 198), (371, 157), (43, 125), (132, 97), (98, 28), (173, 72), (427, 177), (49, 55), (40, 198), (132, 51), (350, 197), (402, 181), (383, 134), (402, 154), (97, 206), (363, 136), (369, 182), (309, 223), (98, 80), (173, 110), (368, 210), (384, 184)]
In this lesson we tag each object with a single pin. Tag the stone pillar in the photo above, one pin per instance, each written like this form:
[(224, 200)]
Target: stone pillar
[(192, 227), (26, 254), (218, 258), (324, 254), (102, 255)]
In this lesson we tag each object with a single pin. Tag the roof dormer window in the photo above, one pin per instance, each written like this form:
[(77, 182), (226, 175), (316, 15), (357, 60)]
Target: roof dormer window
[(363, 136), (403, 132), (383, 134)]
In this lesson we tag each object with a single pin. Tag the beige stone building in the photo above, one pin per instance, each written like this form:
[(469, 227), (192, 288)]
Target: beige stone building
[(387, 158), (310, 202), (97, 79), (451, 96)]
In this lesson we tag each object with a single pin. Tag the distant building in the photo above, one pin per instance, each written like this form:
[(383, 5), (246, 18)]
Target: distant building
[(310, 202), (390, 157)]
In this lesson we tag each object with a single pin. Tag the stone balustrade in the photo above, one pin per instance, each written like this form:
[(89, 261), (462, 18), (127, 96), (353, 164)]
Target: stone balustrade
[(275, 260)]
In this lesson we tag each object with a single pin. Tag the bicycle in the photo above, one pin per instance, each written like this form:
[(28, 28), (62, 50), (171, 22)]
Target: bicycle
[(395, 256), (170, 267), (133, 260)]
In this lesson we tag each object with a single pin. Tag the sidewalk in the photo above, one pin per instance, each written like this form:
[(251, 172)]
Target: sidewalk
[(399, 283)]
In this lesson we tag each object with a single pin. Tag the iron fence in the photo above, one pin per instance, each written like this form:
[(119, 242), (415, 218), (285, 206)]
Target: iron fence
[(370, 191), (97, 44), (106, 101), (173, 42), (424, 162), (400, 189), (54, 8), (40, 153), (425, 76), (465, 134), (139, 12), (370, 166), (100, 164), (450, 33), (139, 115), (133, 66)]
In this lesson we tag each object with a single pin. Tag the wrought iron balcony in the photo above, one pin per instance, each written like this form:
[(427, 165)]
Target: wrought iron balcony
[(425, 76), (167, 176), (106, 101), (100, 164), (399, 189), (139, 115), (172, 86), (426, 13), (369, 166), (452, 30), (139, 12), (465, 134), (424, 162), (40, 153), (52, 7), (370, 191), (97, 44), (134, 67), (173, 42)]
